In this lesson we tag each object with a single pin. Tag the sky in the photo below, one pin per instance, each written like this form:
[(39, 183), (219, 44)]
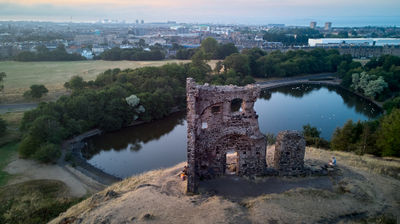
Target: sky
[(289, 12)]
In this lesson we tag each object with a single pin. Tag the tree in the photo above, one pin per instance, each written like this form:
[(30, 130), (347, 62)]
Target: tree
[(388, 134), (368, 84), (237, 62), (75, 83), (225, 50), (343, 139), (209, 47), (391, 104), (3, 127), (2, 76), (218, 67), (141, 43), (254, 54), (375, 87), (47, 153), (309, 131), (133, 101), (36, 91)]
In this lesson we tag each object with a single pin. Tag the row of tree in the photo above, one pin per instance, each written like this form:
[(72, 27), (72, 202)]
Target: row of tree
[(114, 100), (44, 54), (289, 37), (378, 79), (134, 54), (379, 137), (210, 48)]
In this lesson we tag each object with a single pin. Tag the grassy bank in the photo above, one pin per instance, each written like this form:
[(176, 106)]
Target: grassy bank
[(9, 143), (13, 120), (36, 201), (6, 153)]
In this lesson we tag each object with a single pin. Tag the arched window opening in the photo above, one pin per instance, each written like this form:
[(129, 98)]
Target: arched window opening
[(236, 105)]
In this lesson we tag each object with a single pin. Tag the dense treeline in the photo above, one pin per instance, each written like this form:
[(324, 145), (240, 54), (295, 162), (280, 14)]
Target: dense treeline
[(379, 137), (378, 79), (114, 100), (134, 54), (44, 54), (292, 63), (211, 49), (297, 36)]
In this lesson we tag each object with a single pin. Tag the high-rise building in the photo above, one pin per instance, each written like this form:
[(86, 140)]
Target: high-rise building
[(313, 25), (328, 26), (142, 22), (137, 21)]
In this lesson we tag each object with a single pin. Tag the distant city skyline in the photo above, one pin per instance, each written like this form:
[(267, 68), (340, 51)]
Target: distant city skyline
[(252, 12)]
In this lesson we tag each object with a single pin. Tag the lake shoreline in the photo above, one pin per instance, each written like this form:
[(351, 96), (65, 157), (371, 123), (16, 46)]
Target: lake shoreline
[(78, 143), (75, 146)]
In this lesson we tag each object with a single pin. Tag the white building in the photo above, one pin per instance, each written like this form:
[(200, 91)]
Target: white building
[(87, 54), (353, 42)]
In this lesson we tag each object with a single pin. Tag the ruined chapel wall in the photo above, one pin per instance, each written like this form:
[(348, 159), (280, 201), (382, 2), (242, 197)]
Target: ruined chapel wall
[(212, 132), (287, 157)]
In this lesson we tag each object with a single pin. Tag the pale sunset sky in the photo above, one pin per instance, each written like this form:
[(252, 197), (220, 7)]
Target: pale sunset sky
[(290, 12)]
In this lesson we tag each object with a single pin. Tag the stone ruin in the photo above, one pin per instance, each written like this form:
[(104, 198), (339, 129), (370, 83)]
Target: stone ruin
[(221, 119), (287, 157)]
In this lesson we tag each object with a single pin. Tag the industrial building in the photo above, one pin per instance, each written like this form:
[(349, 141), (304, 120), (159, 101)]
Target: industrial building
[(353, 42)]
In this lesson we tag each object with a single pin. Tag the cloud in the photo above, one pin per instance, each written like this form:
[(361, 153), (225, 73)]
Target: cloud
[(226, 11)]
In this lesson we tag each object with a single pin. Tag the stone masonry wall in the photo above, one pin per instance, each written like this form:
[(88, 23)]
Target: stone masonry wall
[(287, 157), (215, 129)]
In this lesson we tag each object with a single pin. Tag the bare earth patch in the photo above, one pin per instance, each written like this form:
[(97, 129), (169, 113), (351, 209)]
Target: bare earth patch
[(25, 170), (356, 195)]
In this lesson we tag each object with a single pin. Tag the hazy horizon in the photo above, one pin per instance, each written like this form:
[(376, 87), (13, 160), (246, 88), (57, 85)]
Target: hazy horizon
[(252, 12)]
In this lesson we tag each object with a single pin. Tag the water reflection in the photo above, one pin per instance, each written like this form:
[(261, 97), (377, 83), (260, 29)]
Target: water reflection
[(163, 143), (133, 138)]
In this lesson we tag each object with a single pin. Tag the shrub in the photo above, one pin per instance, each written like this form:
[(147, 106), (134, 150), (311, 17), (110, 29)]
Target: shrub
[(3, 127), (47, 153), (271, 139), (36, 91), (388, 134)]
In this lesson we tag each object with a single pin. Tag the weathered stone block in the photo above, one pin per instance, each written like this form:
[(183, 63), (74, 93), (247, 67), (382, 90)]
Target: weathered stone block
[(287, 157)]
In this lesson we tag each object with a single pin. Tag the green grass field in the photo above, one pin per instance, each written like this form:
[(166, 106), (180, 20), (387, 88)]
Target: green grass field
[(24, 74), (21, 75)]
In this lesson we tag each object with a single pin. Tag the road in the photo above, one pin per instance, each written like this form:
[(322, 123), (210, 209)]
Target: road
[(294, 80), (20, 107)]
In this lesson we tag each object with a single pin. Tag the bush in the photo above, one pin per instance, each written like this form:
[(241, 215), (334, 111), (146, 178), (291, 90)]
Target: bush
[(271, 139), (3, 127), (28, 147), (389, 134), (311, 136), (36, 91), (47, 153)]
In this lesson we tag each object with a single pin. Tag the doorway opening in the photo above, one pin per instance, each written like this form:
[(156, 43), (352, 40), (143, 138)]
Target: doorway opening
[(232, 161)]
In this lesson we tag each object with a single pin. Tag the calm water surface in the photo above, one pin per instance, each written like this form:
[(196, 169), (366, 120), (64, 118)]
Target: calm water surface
[(163, 143)]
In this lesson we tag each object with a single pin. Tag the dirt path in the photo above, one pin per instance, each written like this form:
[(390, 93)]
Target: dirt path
[(78, 183), (248, 188)]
